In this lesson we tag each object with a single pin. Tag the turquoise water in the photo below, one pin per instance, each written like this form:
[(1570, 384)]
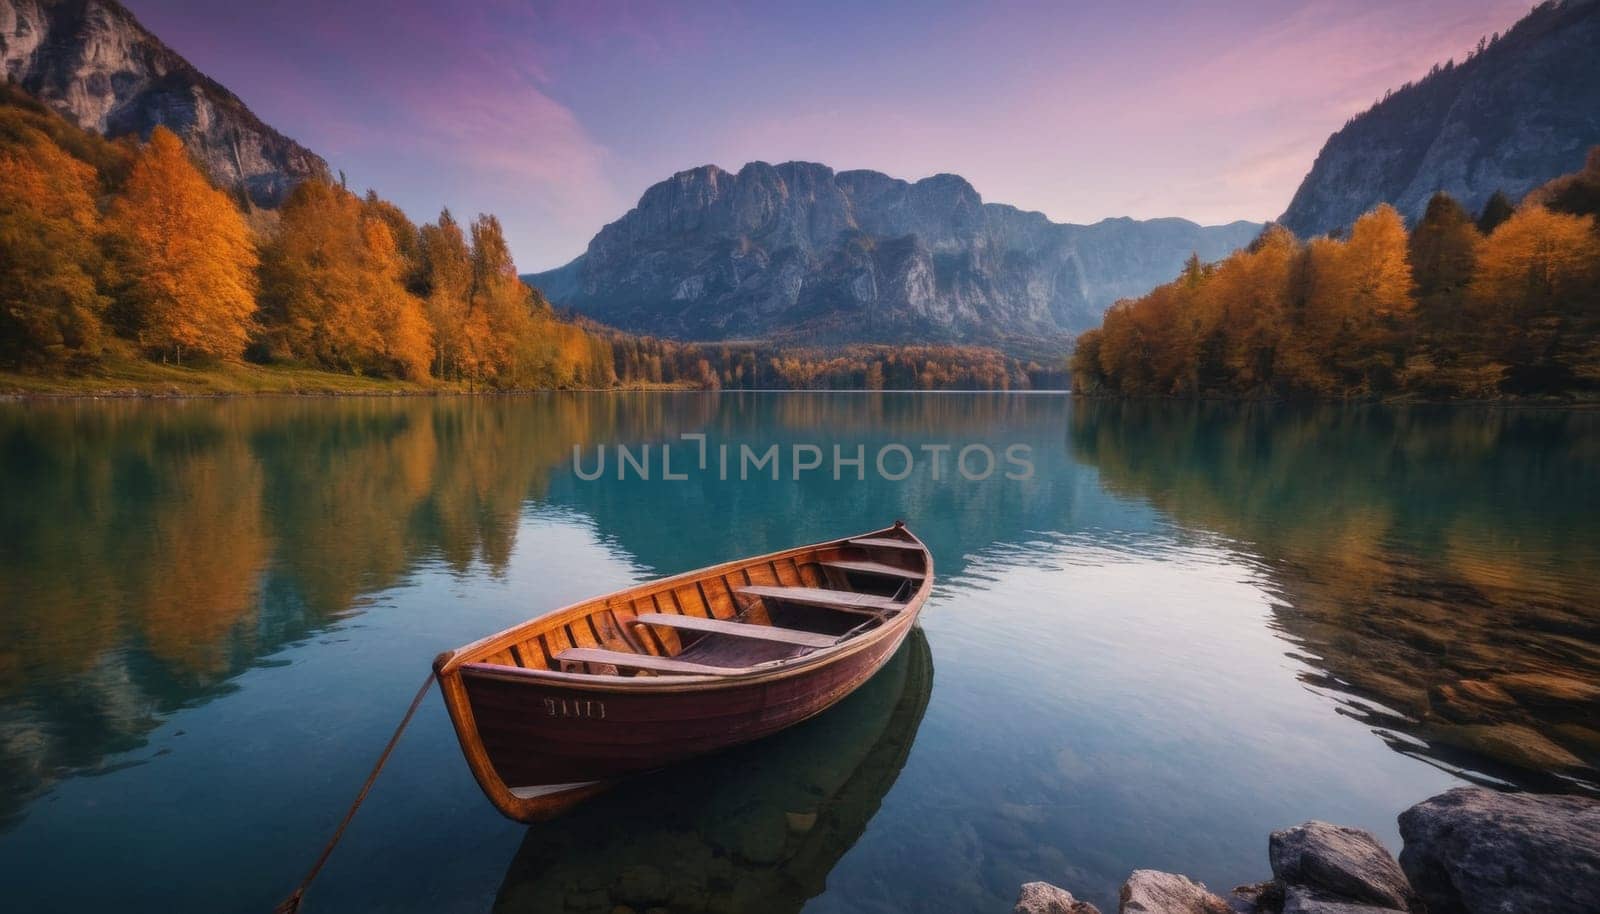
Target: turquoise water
[(1190, 625)]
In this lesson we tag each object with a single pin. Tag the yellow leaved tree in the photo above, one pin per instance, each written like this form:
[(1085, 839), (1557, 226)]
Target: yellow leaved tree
[(50, 305), (1536, 293), (334, 291), (187, 259)]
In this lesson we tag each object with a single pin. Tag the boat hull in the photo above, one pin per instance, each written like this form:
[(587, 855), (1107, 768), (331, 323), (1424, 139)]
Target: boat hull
[(539, 741), (540, 734)]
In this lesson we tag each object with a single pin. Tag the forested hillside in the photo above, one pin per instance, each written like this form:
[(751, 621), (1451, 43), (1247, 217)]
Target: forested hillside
[(1505, 305)]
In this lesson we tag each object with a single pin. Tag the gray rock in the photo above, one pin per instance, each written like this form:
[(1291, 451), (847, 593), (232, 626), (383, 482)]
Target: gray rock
[(1510, 118), (1344, 862), (1044, 898), (800, 250), (1301, 900), (1155, 892), (97, 66), (1476, 851)]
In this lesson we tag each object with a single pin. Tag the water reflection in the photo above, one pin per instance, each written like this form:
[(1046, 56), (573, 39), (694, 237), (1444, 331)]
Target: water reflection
[(1434, 565), (152, 552), (755, 829), (212, 603)]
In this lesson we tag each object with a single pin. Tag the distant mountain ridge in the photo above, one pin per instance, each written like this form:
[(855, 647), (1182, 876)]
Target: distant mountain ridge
[(800, 251), (1519, 112), (95, 64)]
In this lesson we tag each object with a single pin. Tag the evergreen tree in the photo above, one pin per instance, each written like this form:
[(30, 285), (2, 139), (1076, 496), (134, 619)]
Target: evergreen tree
[(1443, 251), (1496, 210)]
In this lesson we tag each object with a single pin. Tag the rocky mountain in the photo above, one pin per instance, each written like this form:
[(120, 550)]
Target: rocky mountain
[(1518, 112), (94, 63), (802, 252)]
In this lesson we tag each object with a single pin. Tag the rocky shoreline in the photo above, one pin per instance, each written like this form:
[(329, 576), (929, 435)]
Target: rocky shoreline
[(1467, 851)]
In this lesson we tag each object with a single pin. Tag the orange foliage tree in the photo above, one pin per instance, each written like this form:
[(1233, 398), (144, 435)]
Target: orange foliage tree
[(446, 286), (186, 257), (333, 288), (1538, 293), (50, 305)]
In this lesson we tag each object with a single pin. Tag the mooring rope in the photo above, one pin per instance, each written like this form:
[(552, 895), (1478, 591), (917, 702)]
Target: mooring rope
[(292, 903)]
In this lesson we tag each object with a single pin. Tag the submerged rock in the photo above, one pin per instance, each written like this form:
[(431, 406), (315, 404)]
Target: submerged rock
[(1155, 892), (1301, 900), (1348, 864), (1475, 851), (1044, 898), (1512, 744)]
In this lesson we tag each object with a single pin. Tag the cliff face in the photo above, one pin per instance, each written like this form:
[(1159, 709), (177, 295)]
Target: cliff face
[(797, 250), (94, 63), (1513, 116)]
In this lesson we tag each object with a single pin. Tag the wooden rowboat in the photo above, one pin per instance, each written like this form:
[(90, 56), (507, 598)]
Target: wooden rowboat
[(555, 709), (757, 828)]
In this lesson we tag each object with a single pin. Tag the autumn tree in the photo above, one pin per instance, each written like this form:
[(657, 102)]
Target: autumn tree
[(1538, 292), (1087, 375), (405, 337), (1359, 303), (446, 288), (333, 287), (500, 315), (407, 238), (50, 305), (186, 259), (1245, 307)]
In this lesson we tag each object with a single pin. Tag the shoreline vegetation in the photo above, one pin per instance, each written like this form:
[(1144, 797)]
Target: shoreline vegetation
[(1502, 307), (153, 381), (123, 269), (936, 370)]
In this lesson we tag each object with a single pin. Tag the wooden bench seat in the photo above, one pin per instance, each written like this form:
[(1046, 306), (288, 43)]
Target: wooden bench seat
[(884, 542), (879, 568), (645, 662), (749, 630), (845, 600)]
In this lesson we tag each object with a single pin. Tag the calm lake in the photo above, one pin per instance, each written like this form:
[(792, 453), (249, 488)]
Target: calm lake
[(1191, 625)]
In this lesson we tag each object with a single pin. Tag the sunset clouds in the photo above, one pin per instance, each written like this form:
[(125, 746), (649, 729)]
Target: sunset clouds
[(556, 116)]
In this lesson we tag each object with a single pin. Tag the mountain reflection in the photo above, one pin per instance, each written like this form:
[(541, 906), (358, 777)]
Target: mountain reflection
[(754, 829), (1434, 565)]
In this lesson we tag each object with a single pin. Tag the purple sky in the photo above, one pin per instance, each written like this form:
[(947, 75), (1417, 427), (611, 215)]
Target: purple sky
[(556, 116)]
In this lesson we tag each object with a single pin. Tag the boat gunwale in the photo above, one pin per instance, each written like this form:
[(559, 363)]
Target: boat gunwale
[(463, 659)]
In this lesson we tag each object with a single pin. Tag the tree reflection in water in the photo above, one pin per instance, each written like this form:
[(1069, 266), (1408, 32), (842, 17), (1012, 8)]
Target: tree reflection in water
[(1435, 565)]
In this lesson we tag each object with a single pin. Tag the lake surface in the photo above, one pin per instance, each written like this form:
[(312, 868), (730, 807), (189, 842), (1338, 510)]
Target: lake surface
[(1191, 625)]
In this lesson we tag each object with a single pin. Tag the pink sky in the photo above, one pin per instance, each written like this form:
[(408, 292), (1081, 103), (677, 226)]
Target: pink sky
[(556, 116)]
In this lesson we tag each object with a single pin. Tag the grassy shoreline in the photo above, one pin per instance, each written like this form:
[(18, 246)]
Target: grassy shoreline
[(137, 379)]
